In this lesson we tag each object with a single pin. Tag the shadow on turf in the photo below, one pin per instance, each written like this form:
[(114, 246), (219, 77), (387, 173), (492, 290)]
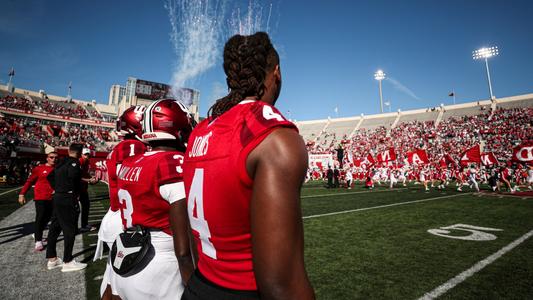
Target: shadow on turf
[(16, 232), (99, 197)]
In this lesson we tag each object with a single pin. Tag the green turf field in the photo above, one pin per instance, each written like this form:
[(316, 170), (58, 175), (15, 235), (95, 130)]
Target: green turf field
[(9, 199), (362, 244), (381, 248)]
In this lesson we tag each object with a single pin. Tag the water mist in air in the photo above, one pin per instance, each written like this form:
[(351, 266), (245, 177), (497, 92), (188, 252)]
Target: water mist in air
[(199, 29)]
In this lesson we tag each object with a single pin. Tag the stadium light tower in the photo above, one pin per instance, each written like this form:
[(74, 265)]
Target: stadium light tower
[(485, 53), (379, 76)]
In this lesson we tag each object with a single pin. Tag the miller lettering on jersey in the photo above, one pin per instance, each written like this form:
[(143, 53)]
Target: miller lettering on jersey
[(129, 174), (200, 145)]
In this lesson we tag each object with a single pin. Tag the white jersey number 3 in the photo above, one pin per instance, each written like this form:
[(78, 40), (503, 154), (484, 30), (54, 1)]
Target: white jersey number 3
[(199, 223), (124, 197)]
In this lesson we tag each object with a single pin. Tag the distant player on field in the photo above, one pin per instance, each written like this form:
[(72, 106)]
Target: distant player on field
[(244, 167), (472, 173)]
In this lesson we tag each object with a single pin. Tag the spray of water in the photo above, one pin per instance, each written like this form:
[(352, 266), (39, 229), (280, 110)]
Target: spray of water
[(198, 30), (195, 36), (251, 21)]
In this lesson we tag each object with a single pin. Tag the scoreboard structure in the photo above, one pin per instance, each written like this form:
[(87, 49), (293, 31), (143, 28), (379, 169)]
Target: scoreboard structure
[(144, 92)]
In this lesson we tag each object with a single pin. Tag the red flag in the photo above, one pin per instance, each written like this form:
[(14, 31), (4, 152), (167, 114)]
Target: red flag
[(386, 155), (369, 159), (471, 155), (449, 159), (357, 162), (524, 153), (488, 159), (417, 157)]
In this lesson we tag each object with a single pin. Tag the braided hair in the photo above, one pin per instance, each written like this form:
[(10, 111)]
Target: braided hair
[(247, 59)]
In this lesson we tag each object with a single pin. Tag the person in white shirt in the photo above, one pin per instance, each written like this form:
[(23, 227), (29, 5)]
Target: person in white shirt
[(472, 172), (349, 178)]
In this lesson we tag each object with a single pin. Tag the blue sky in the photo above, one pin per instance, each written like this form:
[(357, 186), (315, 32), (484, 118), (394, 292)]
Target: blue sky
[(329, 50)]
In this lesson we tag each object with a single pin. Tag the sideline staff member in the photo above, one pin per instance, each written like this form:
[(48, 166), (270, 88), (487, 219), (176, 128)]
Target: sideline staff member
[(84, 193), (42, 197), (66, 181)]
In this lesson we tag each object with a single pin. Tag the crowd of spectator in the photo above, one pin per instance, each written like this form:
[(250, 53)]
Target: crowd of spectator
[(497, 131), (60, 108), (30, 132)]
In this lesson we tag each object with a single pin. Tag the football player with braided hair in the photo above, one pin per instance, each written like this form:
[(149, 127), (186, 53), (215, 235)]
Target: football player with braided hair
[(244, 167), (129, 127)]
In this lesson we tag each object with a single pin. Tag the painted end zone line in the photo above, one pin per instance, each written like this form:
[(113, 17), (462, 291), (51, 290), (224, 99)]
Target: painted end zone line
[(351, 193), (382, 206), (450, 284)]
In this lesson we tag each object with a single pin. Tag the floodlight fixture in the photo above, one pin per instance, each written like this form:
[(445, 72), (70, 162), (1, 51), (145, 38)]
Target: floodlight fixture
[(379, 76), (485, 53)]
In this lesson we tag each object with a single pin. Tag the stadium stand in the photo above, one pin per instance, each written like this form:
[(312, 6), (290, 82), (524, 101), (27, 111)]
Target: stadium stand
[(498, 126)]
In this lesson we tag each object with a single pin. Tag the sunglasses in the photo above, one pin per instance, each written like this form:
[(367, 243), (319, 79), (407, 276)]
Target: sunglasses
[(52, 157)]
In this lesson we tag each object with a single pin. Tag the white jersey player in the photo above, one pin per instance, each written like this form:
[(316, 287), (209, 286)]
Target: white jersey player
[(472, 173)]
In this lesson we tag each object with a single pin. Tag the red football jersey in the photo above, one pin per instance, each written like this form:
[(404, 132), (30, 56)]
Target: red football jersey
[(120, 152), (139, 181), (219, 190)]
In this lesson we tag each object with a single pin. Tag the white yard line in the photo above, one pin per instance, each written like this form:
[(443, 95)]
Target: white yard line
[(351, 193), (450, 284), (383, 206), (7, 192)]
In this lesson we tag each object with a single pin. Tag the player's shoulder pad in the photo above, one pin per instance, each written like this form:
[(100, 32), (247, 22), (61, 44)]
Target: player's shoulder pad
[(262, 117)]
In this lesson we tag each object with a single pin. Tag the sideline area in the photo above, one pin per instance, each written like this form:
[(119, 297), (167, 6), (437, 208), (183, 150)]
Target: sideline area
[(24, 272)]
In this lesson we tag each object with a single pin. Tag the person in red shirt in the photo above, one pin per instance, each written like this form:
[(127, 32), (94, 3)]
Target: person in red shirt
[(243, 170), (42, 197)]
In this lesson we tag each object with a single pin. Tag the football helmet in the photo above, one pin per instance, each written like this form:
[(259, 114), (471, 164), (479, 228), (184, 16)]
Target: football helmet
[(167, 119), (130, 121)]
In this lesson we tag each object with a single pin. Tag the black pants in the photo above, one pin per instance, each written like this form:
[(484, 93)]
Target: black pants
[(43, 213), (85, 206), (199, 288), (65, 218)]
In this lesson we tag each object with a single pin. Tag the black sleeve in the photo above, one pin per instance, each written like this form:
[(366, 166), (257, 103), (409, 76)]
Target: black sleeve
[(74, 174), (51, 178)]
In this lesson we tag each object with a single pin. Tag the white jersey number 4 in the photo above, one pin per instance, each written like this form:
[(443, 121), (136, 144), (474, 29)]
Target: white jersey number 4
[(269, 114), (199, 223)]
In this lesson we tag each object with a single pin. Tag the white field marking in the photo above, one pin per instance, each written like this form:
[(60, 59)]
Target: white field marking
[(91, 245), (93, 234), (7, 192), (450, 284), (100, 277), (94, 221), (351, 193), (383, 206), (97, 215)]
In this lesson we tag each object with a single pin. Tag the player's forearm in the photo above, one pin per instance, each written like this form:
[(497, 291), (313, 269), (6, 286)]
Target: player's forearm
[(186, 267)]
